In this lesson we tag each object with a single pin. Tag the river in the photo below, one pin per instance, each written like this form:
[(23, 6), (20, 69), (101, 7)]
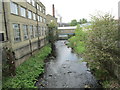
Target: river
[(66, 70)]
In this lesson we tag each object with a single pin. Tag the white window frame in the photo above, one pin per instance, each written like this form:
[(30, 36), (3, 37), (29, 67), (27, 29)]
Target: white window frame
[(33, 2), (40, 8), (14, 8), (29, 14), (31, 32), (38, 17), (34, 16), (25, 32), (29, 1), (39, 30), (17, 33), (35, 31), (22, 11)]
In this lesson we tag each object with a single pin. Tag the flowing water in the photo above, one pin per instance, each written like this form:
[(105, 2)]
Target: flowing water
[(66, 70)]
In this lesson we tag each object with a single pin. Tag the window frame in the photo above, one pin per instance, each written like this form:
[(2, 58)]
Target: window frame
[(25, 33), (38, 17), (11, 8), (28, 1), (31, 33), (34, 16), (33, 3), (39, 30), (35, 31), (22, 11), (19, 39), (28, 14)]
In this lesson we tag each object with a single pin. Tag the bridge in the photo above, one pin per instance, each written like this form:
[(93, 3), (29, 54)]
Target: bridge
[(66, 32)]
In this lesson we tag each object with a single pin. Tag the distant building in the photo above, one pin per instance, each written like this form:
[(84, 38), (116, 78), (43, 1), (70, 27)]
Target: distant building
[(67, 30), (24, 27), (64, 24), (50, 19)]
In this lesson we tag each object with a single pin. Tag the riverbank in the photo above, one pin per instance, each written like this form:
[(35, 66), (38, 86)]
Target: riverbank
[(28, 72)]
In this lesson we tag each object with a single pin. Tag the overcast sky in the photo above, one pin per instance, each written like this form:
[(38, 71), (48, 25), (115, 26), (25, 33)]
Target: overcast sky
[(77, 9)]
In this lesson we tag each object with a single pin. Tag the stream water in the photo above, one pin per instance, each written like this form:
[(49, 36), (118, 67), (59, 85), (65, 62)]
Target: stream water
[(66, 70)]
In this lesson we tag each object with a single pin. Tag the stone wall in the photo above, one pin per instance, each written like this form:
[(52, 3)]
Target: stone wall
[(23, 53)]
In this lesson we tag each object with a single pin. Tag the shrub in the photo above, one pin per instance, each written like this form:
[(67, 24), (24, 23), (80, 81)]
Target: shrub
[(101, 44), (77, 42)]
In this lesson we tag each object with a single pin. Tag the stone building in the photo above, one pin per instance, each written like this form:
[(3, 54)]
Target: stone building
[(23, 27), (119, 9)]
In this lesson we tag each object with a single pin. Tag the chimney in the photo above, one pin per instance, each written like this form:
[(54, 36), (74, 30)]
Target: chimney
[(53, 8)]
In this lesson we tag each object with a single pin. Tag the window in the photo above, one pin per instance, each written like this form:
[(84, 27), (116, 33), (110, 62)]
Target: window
[(29, 14), (37, 6), (25, 31), (1, 36), (40, 8), (42, 31), (34, 16), (38, 18), (35, 31), (39, 30), (16, 28), (44, 20), (33, 2), (14, 8), (29, 1), (44, 11), (23, 11), (31, 32)]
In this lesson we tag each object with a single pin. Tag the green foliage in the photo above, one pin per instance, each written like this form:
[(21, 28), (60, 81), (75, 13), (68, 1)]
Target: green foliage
[(102, 41), (52, 33), (27, 72), (77, 42), (99, 45), (82, 21), (73, 22)]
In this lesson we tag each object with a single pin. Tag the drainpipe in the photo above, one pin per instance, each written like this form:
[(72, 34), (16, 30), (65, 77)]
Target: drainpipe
[(37, 28), (5, 21), (30, 44)]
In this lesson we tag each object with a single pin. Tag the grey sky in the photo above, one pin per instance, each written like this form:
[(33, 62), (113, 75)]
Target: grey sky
[(77, 9)]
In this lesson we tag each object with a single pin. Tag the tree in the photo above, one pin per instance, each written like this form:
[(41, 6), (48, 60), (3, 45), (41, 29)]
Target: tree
[(52, 36), (73, 22), (82, 21)]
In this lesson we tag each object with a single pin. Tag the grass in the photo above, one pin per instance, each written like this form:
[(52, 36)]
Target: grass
[(27, 72)]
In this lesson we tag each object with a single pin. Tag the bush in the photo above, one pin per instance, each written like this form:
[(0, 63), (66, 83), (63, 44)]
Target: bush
[(77, 42), (102, 42), (27, 72)]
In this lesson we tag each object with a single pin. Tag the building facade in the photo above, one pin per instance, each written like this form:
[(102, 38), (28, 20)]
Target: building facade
[(119, 10), (23, 27)]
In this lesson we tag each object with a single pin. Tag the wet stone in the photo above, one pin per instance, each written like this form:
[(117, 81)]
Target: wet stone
[(69, 72), (50, 75), (87, 86)]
